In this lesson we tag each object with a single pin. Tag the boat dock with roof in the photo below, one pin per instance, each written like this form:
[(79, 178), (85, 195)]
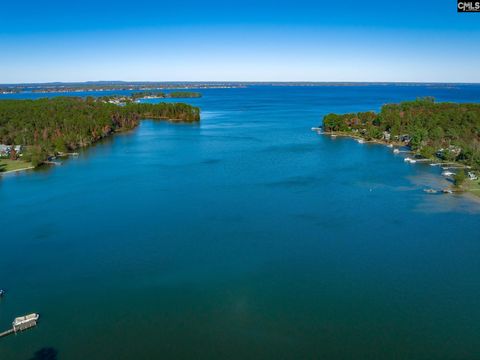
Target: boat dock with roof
[(21, 323)]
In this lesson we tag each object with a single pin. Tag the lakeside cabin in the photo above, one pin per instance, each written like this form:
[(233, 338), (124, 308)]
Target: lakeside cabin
[(5, 150), (25, 322), (472, 176)]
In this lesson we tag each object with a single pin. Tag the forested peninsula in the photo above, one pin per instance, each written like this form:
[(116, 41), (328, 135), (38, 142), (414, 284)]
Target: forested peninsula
[(162, 95), (134, 97), (440, 132), (33, 130)]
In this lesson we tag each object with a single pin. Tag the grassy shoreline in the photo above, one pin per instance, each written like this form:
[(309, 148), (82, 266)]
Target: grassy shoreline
[(359, 137), (8, 166), (472, 187)]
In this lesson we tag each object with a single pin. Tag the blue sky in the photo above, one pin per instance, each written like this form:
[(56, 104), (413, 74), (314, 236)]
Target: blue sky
[(424, 41)]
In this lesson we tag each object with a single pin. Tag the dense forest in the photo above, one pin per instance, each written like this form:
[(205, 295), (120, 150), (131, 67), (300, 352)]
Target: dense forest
[(447, 131), (58, 125)]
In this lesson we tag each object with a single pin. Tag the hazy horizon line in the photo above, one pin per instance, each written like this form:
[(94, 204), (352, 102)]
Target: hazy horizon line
[(234, 82)]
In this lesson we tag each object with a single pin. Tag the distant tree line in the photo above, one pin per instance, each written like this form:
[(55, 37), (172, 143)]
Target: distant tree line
[(153, 94), (62, 124), (184, 94), (175, 94), (449, 131)]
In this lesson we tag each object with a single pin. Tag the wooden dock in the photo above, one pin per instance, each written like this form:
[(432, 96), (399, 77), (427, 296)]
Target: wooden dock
[(6, 333)]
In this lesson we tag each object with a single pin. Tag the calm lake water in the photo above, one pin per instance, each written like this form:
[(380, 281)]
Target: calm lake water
[(247, 236)]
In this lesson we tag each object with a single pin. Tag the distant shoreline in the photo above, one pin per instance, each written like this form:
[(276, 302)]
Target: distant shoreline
[(104, 86)]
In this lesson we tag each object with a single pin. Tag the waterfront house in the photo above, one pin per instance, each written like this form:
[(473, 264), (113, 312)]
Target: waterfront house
[(472, 176), (405, 138), (6, 149), (452, 152), (455, 150)]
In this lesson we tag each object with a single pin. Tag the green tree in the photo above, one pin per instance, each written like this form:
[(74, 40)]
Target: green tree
[(60, 145), (13, 153), (35, 154), (427, 152), (459, 178), (374, 132)]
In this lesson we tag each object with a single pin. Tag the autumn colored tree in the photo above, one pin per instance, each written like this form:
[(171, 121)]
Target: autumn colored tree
[(13, 153)]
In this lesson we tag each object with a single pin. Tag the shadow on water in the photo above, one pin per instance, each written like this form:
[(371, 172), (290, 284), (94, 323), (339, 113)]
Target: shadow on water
[(297, 182), (211, 161), (46, 353), (292, 148)]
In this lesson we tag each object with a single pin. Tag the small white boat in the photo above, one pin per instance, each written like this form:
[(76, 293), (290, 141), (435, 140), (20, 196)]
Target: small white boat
[(447, 191), (361, 141), (448, 173), (334, 136), (316, 129), (396, 151), (390, 145)]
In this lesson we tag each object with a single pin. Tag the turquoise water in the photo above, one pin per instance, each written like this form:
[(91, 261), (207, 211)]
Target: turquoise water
[(247, 236)]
